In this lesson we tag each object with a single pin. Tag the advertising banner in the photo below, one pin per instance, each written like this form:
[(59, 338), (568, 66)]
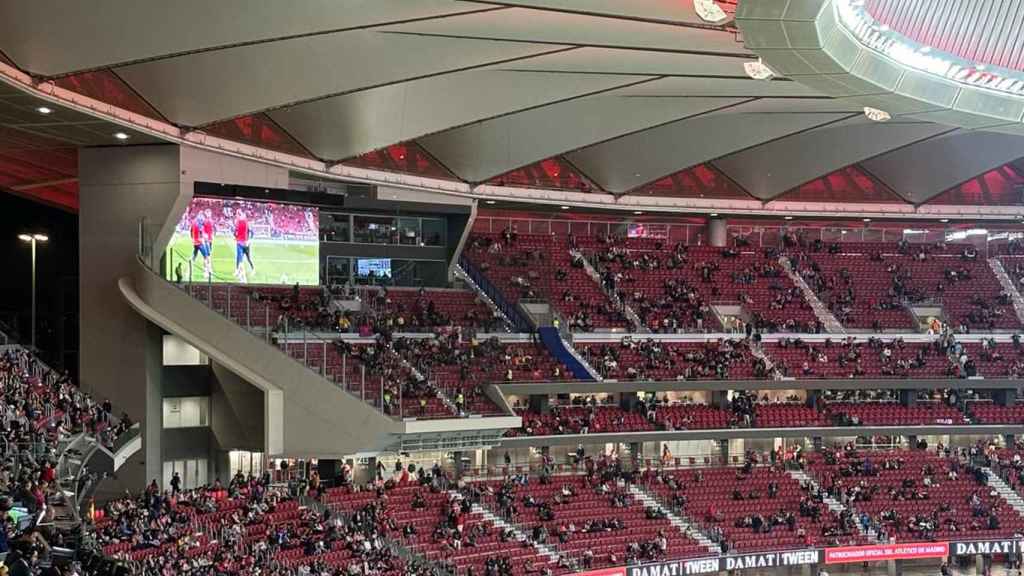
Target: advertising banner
[(740, 562), (620, 571), (987, 547), (881, 552)]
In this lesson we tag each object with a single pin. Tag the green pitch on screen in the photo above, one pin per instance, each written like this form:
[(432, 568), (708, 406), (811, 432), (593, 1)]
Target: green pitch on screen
[(277, 261)]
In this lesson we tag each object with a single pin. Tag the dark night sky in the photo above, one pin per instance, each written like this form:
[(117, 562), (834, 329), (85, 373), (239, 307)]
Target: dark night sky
[(57, 276)]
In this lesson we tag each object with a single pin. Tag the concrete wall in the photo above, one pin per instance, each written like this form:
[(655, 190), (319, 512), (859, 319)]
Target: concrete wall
[(236, 412), (120, 351), (305, 415), (718, 234), (120, 354)]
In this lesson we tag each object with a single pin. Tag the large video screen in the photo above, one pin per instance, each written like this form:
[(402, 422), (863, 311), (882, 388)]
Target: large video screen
[(242, 241), (376, 267)]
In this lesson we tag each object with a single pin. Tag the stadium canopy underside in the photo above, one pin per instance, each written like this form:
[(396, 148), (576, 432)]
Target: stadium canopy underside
[(632, 105)]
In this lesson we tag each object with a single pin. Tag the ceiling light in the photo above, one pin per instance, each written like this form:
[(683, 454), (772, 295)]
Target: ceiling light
[(944, 220), (709, 11), (565, 207), (925, 49), (44, 110), (121, 136), (489, 201), (758, 70), (843, 232), (867, 219), (787, 218), (24, 237), (638, 212), (40, 237), (876, 114), (713, 214)]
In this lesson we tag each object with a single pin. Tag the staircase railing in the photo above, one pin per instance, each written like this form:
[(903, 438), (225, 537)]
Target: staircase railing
[(510, 310), (1008, 286), (824, 315)]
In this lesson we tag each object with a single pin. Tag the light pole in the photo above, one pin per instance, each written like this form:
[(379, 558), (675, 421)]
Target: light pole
[(33, 239)]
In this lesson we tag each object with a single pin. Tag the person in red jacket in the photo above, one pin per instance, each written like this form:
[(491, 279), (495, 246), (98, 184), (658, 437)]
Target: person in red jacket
[(243, 252), (199, 245)]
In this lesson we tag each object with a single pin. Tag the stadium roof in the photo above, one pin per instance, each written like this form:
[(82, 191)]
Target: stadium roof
[(636, 98)]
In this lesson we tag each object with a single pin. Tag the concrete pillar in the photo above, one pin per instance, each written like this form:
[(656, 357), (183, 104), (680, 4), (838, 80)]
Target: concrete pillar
[(636, 456), (894, 567), (717, 235), (1004, 397), (628, 402), (908, 397), (120, 351), (813, 396), (460, 464), (539, 403), (329, 470), (720, 399), (370, 472)]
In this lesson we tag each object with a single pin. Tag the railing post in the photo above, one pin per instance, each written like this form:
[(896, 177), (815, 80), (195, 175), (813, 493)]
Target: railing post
[(248, 312), (266, 327), (209, 291), (323, 359), (228, 311), (305, 347)]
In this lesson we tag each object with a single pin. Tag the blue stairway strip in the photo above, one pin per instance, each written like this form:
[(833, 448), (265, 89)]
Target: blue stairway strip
[(510, 310), (549, 336)]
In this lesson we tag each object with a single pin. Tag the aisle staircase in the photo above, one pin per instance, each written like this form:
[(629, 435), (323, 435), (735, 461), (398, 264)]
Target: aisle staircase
[(831, 503), (547, 551), (1008, 286), (682, 524), (825, 316), (627, 310), (441, 395), (461, 274), (1005, 491), (475, 279)]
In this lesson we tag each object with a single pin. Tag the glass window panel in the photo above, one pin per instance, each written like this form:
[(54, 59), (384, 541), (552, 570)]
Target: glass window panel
[(201, 472), (339, 269), (189, 412), (168, 473), (374, 229), (204, 411), (336, 227), (172, 412), (409, 231), (434, 232), (560, 227), (186, 412)]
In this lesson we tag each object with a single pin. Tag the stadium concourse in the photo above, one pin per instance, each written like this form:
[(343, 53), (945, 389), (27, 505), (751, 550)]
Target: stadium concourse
[(512, 288)]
